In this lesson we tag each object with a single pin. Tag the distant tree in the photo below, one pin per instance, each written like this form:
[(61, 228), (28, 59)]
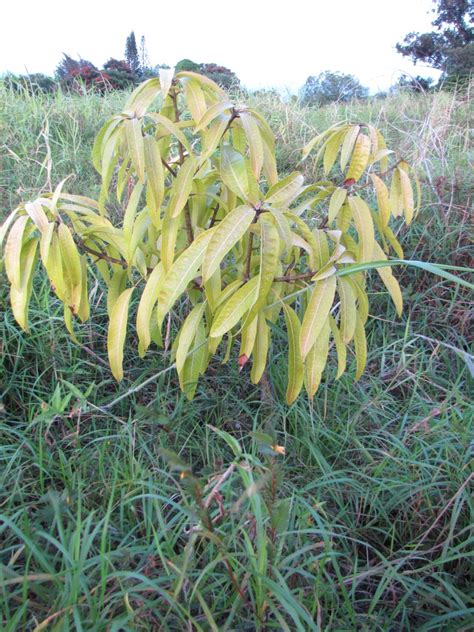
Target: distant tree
[(145, 68), (329, 87), (450, 47), (131, 54), (68, 67), (36, 83), (413, 84), (187, 65), (224, 77), (120, 74)]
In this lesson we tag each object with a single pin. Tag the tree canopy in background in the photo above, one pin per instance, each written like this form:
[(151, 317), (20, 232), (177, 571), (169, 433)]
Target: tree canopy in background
[(131, 53), (450, 47), (329, 87)]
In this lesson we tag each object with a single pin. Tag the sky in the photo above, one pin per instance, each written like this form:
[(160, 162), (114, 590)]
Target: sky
[(267, 43)]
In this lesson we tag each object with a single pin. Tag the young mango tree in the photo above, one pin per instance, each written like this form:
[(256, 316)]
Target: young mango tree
[(206, 222)]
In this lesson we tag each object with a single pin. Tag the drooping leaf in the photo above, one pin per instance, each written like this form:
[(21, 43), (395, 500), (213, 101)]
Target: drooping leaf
[(71, 267), (260, 351), (117, 331), (316, 361), (317, 311), (295, 362), (187, 335), (348, 311), (360, 345), (145, 308), (364, 226), (341, 349)]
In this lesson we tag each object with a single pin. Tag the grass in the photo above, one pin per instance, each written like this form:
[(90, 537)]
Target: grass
[(365, 523)]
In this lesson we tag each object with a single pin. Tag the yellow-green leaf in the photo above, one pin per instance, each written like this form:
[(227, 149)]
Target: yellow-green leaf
[(337, 200), (234, 173), (117, 331), (213, 112), (133, 132), (269, 259), (316, 361), (233, 309), (406, 194), (295, 362), (284, 192), (389, 280), (254, 140), (13, 249), (319, 306), (182, 187), (260, 350), (226, 234), (183, 270), (155, 176), (347, 310), (364, 226), (187, 335), (360, 345), (348, 144), (383, 201), (360, 158), (71, 267), (341, 349), (145, 308)]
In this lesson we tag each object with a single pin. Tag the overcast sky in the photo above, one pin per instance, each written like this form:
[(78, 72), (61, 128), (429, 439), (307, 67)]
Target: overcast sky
[(266, 42)]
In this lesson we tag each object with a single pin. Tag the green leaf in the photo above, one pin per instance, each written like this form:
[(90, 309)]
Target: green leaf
[(226, 234), (433, 268), (116, 333), (295, 362), (316, 314)]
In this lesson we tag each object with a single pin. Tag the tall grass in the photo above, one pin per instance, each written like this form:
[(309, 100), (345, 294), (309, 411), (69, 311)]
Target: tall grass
[(364, 523)]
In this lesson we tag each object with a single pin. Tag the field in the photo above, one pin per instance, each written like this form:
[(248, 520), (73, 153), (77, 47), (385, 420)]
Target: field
[(364, 523)]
